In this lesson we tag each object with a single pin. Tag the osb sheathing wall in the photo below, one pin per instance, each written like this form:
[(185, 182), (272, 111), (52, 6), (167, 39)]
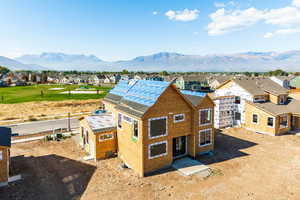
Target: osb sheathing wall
[(129, 149), (169, 104), (102, 147), (87, 146), (205, 104), (262, 125), (111, 108), (4, 164)]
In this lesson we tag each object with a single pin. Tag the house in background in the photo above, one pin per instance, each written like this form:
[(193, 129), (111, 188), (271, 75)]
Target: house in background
[(156, 123), (295, 82), (283, 81), (5, 144), (216, 81), (258, 104), (196, 83)]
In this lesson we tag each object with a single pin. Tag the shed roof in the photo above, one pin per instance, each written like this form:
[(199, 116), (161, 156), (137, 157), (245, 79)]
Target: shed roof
[(5, 136), (101, 123)]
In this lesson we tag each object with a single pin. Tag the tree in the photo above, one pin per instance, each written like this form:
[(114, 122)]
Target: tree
[(4, 70), (278, 72), (164, 73), (125, 71)]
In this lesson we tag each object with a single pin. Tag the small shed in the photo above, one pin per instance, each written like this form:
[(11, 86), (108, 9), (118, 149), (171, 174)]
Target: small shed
[(98, 135), (5, 144)]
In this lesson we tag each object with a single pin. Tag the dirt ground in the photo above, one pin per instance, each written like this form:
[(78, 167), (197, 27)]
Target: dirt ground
[(246, 165), (46, 108)]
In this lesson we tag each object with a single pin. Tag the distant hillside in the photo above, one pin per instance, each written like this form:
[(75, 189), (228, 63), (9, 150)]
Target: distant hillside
[(248, 61), (15, 65)]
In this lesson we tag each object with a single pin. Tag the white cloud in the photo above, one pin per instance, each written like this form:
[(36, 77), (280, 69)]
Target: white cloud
[(226, 21), (219, 5), (296, 3), (154, 12), (283, 16), (282, 32), (183, 15)]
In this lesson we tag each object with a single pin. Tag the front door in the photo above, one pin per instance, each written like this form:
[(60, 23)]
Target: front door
[(179, 146)]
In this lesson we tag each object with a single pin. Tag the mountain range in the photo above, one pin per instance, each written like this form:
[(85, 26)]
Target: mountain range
[(248, 61)]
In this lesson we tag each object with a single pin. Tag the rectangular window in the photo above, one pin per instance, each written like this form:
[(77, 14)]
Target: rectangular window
[(135, 129), (119, 120), (87, 137), (281, 100), (270, 121), (82, 132), (255, 118), (158, 149), (237, 116), (157, 127), (178, 118), (205, 117), (127, 119), (205, 137), (1, 155), (283, 121), (237, 100), (107, 136)]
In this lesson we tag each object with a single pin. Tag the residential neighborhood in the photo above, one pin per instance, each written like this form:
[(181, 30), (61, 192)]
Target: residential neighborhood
[(150, 100)]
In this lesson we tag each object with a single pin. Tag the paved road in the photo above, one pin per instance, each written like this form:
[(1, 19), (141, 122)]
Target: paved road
[(42, 126)]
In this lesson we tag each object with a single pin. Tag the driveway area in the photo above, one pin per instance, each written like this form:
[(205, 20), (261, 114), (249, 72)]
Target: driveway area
[(245, 166)]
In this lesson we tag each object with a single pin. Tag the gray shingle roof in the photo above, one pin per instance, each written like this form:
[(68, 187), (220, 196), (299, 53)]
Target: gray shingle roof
[(195, 100), (115, 99), (5, 136), (292, 106), (258, 86)]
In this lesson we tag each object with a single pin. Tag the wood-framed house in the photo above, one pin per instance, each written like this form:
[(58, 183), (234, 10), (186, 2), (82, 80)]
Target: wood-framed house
[(260, 105), (156, 123)]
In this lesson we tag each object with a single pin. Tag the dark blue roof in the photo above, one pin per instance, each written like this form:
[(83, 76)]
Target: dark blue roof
[(144, 92), (5, 136)]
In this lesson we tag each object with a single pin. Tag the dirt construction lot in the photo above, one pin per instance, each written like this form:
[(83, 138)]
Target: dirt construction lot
[(245, 165)]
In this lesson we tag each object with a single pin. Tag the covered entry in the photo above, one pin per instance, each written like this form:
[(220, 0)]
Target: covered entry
[(179, 146)]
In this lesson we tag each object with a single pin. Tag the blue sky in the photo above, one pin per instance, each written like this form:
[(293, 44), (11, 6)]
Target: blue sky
[(124, 29)]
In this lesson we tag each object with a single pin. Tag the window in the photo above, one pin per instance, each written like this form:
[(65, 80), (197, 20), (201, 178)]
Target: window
[(237, 116), (158, 127), (1, 155), (205, 117), (205, 137), (135, 129), (119, 120), (127, 119), (271, 121), (87, 137), (82, 132), (237, 100), (281, 99), (107, 136), (259, 99), (158, 149), (178, 118), (255, 118), (283, 121)]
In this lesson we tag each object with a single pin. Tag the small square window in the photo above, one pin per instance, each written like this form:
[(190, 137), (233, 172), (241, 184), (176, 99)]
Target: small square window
[(107, 136)]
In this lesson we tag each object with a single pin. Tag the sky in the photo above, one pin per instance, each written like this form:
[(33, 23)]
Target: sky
[(123, 29)]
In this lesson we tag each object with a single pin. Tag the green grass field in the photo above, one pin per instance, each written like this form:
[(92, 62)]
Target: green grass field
[(20, 94)]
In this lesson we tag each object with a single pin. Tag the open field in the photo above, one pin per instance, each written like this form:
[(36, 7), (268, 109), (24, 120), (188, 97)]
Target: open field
[(246, 166), (31, 111), (20, 94)]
